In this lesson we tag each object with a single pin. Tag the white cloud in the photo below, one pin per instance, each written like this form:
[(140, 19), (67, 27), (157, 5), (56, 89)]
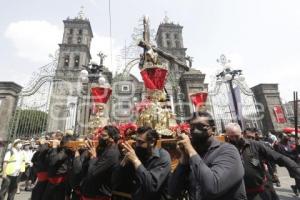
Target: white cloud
[(93, 2), (34, 40), (104, 45)]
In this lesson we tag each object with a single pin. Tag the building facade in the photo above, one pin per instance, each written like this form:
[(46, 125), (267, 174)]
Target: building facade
[(127, 92), (289, 112), (270, 107), (9, 93)]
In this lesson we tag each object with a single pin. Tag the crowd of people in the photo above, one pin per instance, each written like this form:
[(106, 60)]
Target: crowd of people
[(243, 167)]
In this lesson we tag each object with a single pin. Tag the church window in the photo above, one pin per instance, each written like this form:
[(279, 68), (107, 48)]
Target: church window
[(80, 31), (79, 40), (175, 36), (177, 44), (77, 61), (67, 60), (125, 104), (69, 40), (71, 31), (167, 35), (125, 88), (169, 44)]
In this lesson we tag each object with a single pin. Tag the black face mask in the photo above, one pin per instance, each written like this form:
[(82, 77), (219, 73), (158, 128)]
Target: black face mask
[(142, 153), (199, 135), (199, 138), (238, 143), (102, 145)]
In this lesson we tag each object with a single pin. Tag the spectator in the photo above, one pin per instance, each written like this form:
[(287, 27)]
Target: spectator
[(12, 166)]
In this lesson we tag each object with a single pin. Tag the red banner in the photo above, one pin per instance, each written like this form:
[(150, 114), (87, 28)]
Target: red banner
[(279, 115), (100, 94), (199, 98), (154, 78)]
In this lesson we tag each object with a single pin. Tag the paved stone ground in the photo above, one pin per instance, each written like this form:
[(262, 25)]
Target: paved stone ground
[(284, 192)]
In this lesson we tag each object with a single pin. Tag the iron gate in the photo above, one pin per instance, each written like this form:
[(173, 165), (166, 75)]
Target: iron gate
[(31, 116)]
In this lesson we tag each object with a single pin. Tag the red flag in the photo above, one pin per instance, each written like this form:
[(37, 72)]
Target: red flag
[(154, 78), (199, 98), (100, 94)]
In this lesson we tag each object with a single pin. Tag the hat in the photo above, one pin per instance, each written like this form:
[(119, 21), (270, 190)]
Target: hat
[(69, 132), (273, 138), (26, 143), (16, 141)]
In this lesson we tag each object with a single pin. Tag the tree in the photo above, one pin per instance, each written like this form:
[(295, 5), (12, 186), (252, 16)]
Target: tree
[(131, 50), (28, 123)]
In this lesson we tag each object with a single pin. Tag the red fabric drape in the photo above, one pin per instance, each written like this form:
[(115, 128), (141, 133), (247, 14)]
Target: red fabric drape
[(100, 94), (199, 98), (290, 130), (154, 78)]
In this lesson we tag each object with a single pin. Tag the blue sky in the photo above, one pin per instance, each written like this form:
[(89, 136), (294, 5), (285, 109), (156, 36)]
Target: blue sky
[(261, 37)]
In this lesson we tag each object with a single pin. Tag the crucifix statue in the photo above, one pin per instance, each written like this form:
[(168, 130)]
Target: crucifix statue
[(146, 35), (151, 52)]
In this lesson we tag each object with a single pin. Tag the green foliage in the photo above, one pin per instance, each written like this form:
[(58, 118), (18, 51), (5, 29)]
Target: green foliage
[(27, 123)]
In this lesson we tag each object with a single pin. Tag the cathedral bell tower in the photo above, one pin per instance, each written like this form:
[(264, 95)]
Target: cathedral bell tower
[(66, 100), (181, 82)]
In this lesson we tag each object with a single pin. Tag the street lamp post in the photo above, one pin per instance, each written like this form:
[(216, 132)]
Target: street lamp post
[(228, 75), (92, 74), (180, 102)]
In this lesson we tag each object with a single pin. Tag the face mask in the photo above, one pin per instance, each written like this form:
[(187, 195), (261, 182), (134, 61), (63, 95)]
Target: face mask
[(142, 153), (199, 136), (102, 142), (101, 147), (237, 142)]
